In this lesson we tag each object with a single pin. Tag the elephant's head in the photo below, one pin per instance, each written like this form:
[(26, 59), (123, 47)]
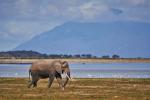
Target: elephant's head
[(63, 68), (66, 71)]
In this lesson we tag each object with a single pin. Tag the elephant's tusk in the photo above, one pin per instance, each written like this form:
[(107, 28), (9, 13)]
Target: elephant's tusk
[(67, 76), (72, 79)]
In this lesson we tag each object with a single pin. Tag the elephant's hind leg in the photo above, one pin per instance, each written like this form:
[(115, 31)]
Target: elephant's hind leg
[(35, 78), (34, 82)]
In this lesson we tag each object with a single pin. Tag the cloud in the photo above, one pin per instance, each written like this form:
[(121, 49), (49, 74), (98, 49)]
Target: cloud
[(129, 3), (64, 10), (116, 11), (27, 29), (92, 10), (136, 2), (7, 41), (17, 32)]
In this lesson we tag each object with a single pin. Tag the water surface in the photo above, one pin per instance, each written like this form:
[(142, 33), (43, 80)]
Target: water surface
[(87, 70)]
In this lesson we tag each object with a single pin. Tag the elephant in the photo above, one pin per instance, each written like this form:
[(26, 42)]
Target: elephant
[(44, 69)]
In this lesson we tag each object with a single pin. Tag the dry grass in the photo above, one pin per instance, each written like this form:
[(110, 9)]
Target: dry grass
[(80, 89)]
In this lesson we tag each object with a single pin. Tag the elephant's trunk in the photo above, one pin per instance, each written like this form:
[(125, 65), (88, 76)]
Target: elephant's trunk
[(67, 78)]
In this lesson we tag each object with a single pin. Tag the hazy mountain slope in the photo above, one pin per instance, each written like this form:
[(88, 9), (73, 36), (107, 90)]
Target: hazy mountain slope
[(128, 39)]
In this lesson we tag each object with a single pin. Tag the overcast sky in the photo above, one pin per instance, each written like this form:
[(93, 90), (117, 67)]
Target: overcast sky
[(20, 20)]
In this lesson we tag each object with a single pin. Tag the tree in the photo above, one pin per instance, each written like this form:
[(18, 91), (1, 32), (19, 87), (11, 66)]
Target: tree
[(105, 56), (77, 56), (115, 56)]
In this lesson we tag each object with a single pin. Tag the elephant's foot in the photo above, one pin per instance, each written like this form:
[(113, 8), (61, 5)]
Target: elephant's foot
[(29, 84), (62, 88), (49, 86)]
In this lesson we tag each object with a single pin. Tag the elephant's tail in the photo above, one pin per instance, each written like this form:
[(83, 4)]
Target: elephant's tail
[(29, 75)]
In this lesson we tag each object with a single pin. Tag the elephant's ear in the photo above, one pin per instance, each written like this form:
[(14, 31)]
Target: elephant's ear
[(64, 64)]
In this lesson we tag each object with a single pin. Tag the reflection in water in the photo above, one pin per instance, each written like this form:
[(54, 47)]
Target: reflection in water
[(87, 70)]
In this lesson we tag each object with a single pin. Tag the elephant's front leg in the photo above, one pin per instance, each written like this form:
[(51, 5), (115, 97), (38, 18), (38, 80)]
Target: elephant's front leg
[(51, 78), (59, 80), (30, 83)]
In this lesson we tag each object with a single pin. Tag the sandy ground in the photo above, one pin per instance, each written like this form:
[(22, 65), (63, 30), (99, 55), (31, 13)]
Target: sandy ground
[(127, 60), (77, 89)]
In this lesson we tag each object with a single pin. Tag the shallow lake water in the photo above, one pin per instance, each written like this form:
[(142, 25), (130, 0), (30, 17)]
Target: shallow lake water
[(87, 70)]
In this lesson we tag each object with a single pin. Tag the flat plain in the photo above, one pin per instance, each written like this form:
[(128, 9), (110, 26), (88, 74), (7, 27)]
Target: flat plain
[(77, 89)]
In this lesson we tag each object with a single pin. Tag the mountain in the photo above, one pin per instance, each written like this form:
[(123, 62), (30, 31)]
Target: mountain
[(127, 39)]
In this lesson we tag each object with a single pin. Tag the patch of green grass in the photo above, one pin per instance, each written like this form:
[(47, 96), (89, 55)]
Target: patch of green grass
[(79, 89)]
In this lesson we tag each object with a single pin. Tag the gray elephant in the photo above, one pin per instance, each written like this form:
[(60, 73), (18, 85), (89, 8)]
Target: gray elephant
[(44, 69)]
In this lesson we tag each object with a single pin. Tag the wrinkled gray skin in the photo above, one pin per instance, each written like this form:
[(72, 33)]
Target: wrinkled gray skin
[(43, 69)]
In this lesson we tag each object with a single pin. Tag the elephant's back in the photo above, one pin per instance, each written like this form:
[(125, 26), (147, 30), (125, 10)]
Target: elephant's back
[(40, 65)]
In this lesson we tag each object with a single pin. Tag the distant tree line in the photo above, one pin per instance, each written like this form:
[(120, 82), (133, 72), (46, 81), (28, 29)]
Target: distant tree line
[(34, 54), (113, 56)]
